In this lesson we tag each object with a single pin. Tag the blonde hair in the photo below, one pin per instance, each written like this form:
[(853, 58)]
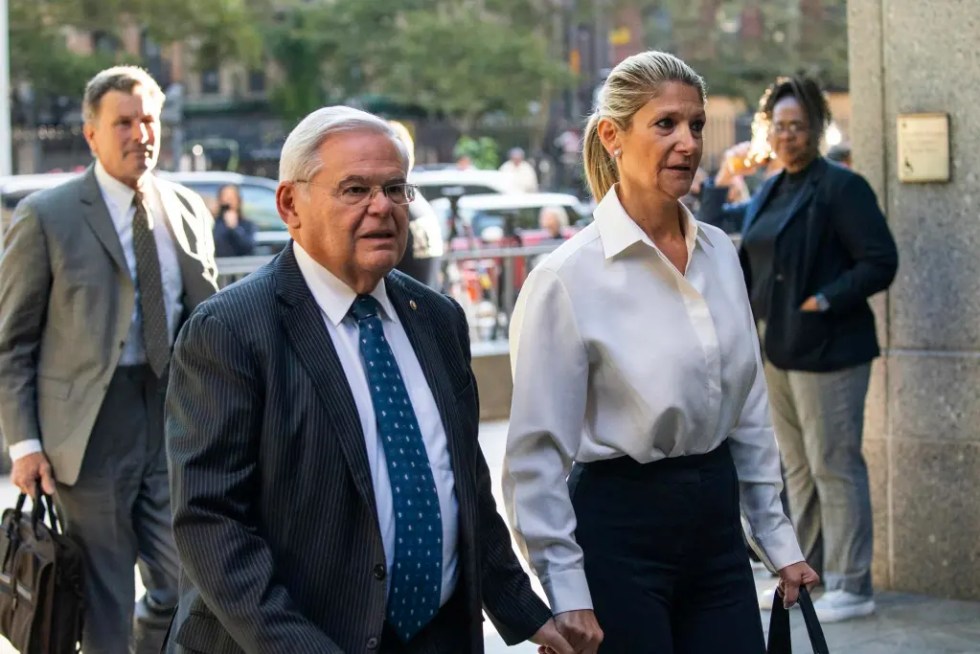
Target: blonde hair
[(629, 86)]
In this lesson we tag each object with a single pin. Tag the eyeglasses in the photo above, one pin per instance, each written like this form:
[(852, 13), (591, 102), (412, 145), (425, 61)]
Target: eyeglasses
[(359, 194), (792, 128)]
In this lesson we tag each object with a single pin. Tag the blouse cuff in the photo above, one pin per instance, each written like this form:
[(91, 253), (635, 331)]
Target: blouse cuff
[(567, 591), (781, 546)]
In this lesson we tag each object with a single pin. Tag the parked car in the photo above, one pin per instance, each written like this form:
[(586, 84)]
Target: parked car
[(258, 198), (422, 259), (511, 219), (445, 182)]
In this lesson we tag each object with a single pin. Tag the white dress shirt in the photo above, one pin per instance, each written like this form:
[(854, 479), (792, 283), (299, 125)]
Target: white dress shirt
[(335, 298), (615, 352), (119, 201)]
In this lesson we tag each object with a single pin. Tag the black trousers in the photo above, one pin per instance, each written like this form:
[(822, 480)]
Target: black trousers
[(664, 555)]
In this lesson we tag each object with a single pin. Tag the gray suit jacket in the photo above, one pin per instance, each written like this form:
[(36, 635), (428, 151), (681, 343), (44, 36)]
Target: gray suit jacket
[(274, 511), (66, 302)]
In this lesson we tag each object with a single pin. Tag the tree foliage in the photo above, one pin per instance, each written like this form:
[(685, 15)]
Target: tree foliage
[(740, 46), (461, 59)]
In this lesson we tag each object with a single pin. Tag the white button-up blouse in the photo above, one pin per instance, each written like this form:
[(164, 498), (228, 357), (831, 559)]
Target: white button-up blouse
[(615, 352)]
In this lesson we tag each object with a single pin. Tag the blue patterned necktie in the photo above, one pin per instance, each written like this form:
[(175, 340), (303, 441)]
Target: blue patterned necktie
[(416, 580)]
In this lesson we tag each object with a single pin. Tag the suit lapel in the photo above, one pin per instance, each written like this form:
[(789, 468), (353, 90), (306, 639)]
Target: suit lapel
[(194, 269), (802, 199), (303, 322), (758, 202), (96, 214)]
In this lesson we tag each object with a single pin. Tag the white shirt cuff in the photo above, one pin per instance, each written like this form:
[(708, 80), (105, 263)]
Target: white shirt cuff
[(781, 547), (567, 591), (23, 448)]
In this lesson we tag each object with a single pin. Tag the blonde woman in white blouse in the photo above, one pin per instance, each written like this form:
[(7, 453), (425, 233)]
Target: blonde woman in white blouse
[(637, 379)]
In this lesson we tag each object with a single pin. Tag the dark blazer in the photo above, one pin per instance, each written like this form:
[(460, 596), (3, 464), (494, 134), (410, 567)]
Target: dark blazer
[(237, 242), (274, 511), (835, 241)]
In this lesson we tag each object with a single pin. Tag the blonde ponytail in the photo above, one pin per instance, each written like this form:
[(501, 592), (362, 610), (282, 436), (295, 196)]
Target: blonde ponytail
[(600, 168)]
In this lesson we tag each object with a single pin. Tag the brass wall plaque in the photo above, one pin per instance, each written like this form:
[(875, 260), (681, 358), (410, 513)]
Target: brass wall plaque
[(923, 147)]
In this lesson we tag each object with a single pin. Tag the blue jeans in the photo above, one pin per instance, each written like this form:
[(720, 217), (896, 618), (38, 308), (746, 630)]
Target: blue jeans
[(819, 422)]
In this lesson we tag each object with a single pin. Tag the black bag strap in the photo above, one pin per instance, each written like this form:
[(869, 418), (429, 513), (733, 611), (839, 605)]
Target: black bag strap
[(43, 508), (780, 641)]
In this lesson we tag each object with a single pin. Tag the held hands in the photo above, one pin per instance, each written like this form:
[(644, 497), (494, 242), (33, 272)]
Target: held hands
[(792, 577), (550, 641), (580, 629), (28, 469), (810, 305)]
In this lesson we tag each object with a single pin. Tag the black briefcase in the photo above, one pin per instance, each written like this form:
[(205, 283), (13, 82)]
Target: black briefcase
[(779, 632), (41, 602)]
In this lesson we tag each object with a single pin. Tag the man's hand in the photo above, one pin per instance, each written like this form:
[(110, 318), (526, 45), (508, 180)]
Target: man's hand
[(231, 218), (581, 630), (810, 305), (792, 577), (550, 641), (28, 469)]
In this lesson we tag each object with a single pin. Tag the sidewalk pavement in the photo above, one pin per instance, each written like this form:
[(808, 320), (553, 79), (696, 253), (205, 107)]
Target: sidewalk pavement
[(904, 623)]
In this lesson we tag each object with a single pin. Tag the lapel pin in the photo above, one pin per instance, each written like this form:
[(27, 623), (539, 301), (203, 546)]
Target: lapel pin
[(412, 304)]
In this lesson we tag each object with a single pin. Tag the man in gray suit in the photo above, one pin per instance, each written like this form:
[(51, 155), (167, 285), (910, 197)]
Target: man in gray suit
[(329, 491), (97, 277)]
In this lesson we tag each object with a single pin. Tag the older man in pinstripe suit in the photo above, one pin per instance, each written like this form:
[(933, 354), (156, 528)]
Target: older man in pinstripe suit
[(329, 491)]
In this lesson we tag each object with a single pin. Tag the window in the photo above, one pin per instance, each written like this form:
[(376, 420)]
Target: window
[(256, 81), (210, 81)]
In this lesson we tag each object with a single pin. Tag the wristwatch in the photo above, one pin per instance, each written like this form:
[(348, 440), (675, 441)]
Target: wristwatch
[(823, 304)]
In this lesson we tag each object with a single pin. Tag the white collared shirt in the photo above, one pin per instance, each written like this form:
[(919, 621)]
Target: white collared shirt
[(119, 200), (335, 298), (615, 352)]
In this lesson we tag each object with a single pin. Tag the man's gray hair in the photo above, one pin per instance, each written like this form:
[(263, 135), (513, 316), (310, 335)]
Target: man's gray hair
[(300, 157), (117, 78)]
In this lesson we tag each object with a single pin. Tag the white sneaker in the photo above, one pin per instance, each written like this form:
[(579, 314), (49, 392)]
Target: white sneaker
[(839, 605)]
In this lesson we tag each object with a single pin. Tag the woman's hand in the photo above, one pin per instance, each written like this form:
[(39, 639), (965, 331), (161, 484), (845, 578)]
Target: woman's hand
[(736, 163), (792, 577)]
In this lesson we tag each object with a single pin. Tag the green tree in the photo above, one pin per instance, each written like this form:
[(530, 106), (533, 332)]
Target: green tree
[(462, 59), (740, 46), (223, 30)]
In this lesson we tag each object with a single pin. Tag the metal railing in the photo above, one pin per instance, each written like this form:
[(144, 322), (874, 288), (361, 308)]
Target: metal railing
[(484, 281)]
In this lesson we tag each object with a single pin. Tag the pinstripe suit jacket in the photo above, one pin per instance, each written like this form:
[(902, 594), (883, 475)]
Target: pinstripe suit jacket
[(274, 510)]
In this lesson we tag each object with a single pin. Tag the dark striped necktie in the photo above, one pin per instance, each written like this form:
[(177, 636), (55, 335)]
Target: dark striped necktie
[(153, 312)]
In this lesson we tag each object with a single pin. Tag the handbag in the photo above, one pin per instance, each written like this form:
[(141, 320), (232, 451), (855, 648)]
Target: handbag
[(41, 580), (779, 632)]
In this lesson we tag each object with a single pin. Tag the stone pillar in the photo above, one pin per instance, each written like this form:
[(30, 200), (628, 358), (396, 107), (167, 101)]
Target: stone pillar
[(923, 419)]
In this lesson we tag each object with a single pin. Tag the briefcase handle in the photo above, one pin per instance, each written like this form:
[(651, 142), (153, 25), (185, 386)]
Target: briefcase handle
[(779, 631), (43, 504)]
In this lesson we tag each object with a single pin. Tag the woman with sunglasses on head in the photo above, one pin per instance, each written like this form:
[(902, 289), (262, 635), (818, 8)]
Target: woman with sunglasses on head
[(815, 246)]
